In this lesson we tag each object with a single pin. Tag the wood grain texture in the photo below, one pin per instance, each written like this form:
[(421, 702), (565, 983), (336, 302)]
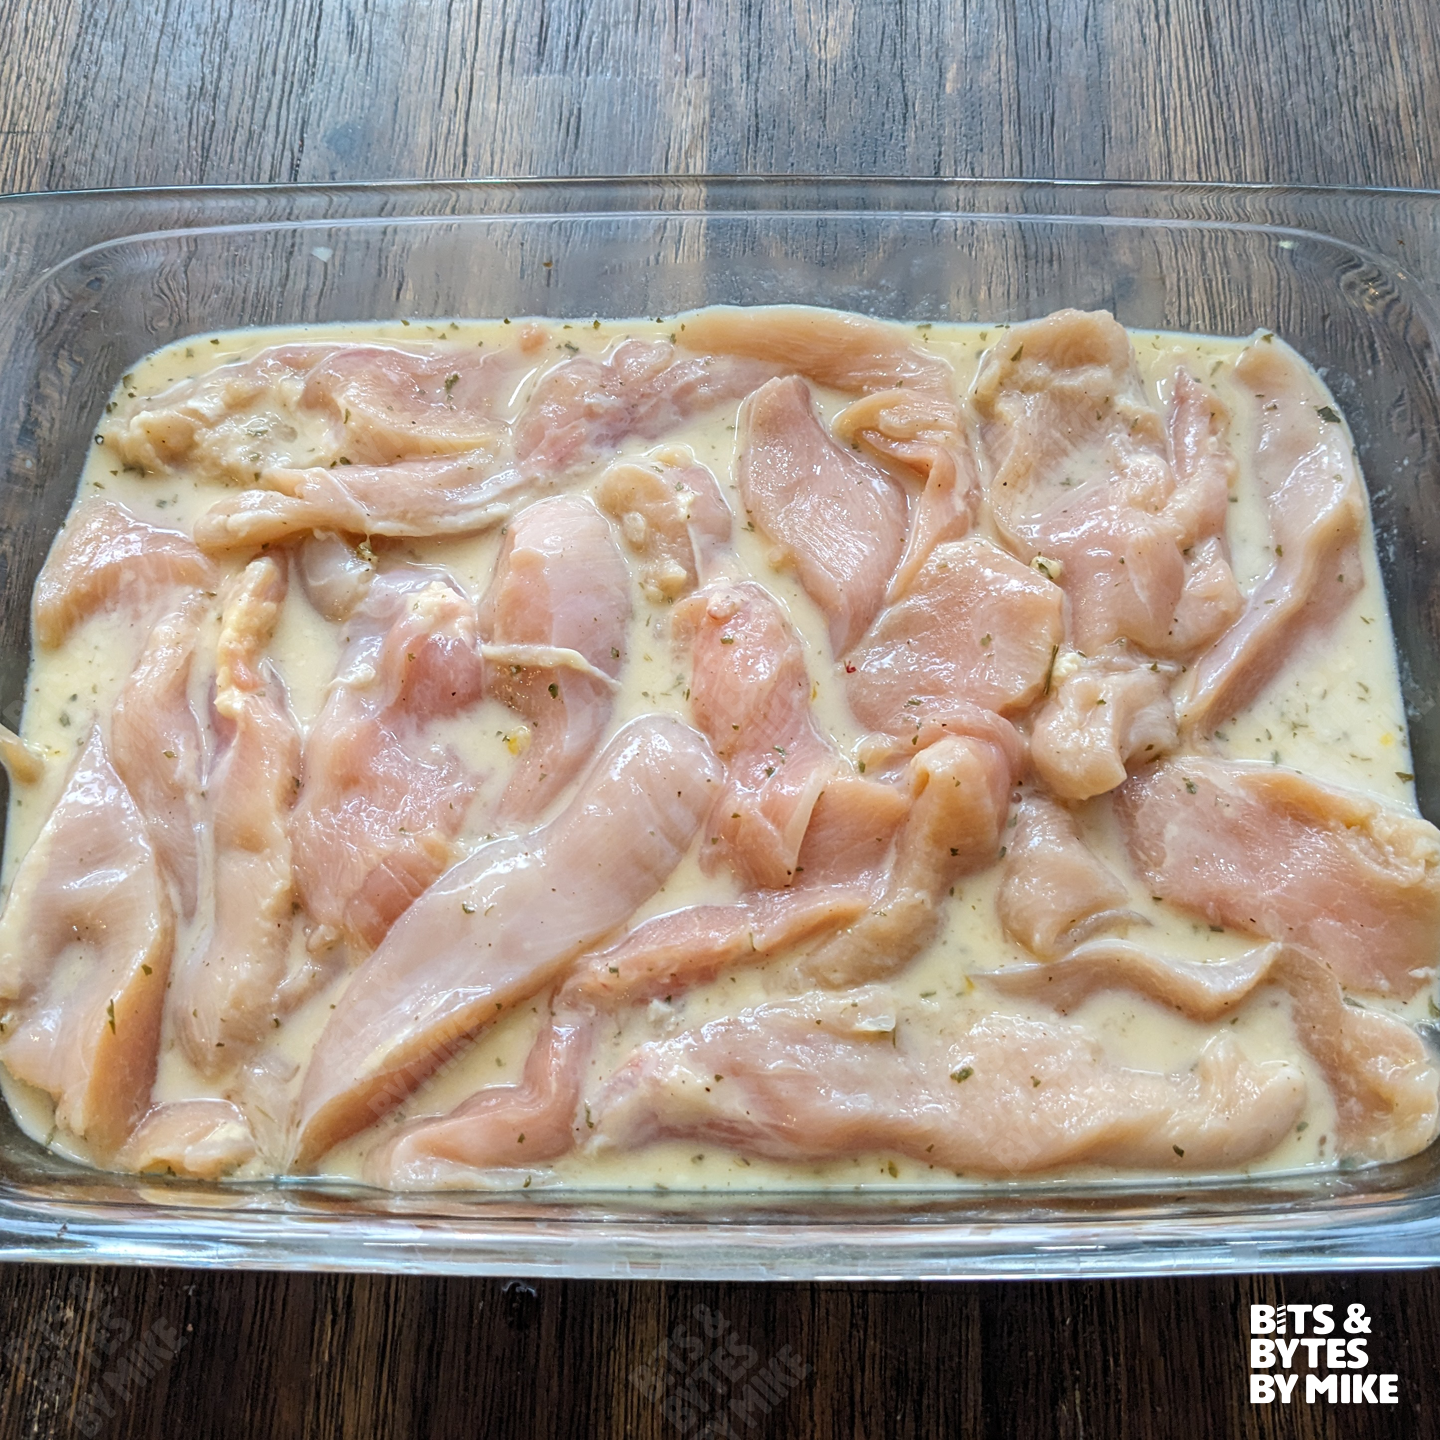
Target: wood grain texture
[(223, 91)]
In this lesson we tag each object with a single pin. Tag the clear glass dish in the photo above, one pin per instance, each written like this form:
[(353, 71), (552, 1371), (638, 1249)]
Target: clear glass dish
[(91, 282)]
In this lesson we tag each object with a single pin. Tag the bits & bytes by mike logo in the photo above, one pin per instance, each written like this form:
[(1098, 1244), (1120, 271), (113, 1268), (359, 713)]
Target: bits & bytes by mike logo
[(1291, 1343)]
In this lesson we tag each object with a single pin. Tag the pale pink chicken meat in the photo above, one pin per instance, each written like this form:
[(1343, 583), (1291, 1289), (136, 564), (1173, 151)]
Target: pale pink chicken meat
[(370, 404), (908, 415), (674, 952), (974, 626), (830, 347), (334, 572), (1081, 474), (554, 625), (227, 990), (586, 408), (386, 405), (446, 495), (959, 795), (1101, 716), (1054, 892), (750, 696), (226, 424), (158, 751), (503, 924), (1315, 500), (1006, 1097), (1206, 474), (106, 559), (500, 1126), (85, 948), (673, 518), (1270, 852), (834, 517), (202, 1139), (1385, 1084), (379, 810)]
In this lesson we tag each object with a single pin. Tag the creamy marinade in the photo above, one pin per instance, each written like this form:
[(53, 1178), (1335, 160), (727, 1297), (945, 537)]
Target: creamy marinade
[(1331, 711)]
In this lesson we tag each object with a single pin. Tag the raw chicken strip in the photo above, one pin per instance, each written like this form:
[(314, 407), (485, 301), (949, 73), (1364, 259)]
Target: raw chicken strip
[(226, 992), (673, 516), (370, 404), (448, 495), (1206, 473), (1272, 853), (203, 1139), (335, 573), (974, 626), (376, 821), (750, 695), (554, 624), (105, 559), (1009, 1097), (1101, 715), (908, 415), (959, 790), (830, 347), (226, 424), (502, 924), (1386, 1086), (923, 432), (586, 408), (836, 518), (677, 951), (1305, 464), (1053, 891), (499, 1126), (1081, 474), (85, 942), (157, 749), (386, 405)]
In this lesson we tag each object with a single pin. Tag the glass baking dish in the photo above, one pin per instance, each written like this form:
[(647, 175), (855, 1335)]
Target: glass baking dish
[(91, 282)]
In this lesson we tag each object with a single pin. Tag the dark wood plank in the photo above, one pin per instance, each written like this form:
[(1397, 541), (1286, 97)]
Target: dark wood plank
[(333, 1358), (221, 91), (217, 91)]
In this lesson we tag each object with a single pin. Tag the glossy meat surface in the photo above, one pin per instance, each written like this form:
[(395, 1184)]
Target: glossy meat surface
[(1268, 851)]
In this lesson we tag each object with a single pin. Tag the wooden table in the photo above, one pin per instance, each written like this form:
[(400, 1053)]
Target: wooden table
[(213, 91)]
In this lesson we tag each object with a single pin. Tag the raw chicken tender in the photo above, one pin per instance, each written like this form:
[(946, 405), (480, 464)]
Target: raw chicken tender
[(673, 516), (501, 925), (202, 1139), (1101, 715), (227, 991), (554, 626), (837, 519), (360, 404), (1054, 891), (1080, 474), (974, 626), (584, 407), (499, 1126), (85, 943), (1306, 467), (1385, 1084), (1008, 1097), (378, 812), (158, 750), (104, 559), (750, 696), (448, 495), (1268, 851)]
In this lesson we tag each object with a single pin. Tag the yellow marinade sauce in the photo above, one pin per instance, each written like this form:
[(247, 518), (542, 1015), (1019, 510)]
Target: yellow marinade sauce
[(1335, 712)]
